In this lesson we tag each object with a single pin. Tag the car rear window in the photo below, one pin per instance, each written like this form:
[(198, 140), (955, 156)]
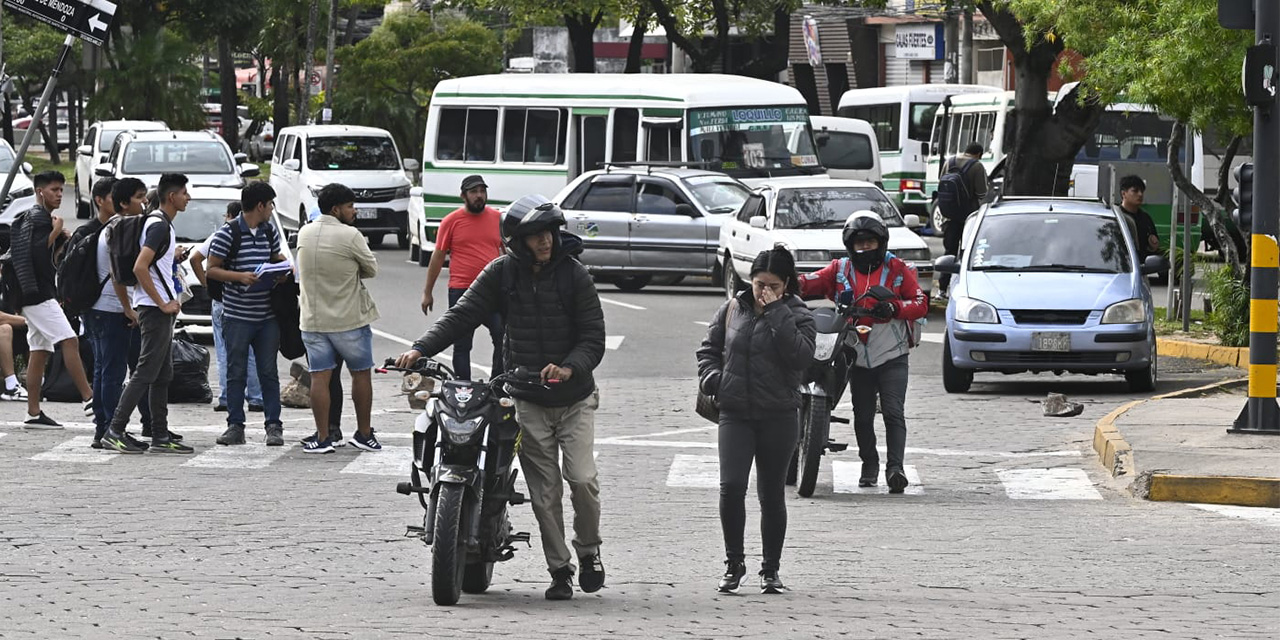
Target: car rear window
[(352, 153), (1050, 241)]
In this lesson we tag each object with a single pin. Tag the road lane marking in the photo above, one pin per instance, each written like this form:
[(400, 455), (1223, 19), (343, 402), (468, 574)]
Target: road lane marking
[(1047, 484), (251, 455), (391, 461), (697, 472), (844, 479), (1261, 515), (657, 443), (935, 338), (625, 305), (75, 450), (703, 323), (447, 353), (613, 342), (673, 432)]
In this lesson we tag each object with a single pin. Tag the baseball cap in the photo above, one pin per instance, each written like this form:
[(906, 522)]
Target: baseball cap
[(473, 181)]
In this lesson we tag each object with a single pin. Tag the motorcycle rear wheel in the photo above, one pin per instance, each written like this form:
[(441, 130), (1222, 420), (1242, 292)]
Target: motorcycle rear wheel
[(814, 428), (476, 577), (448, 549)]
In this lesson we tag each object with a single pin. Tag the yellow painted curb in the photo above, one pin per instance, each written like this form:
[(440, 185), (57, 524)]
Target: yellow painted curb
[(1235, 490), (1230, 356)]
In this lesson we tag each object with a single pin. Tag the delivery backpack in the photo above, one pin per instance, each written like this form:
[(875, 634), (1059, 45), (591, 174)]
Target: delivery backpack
[(78, 284), (955, 201)]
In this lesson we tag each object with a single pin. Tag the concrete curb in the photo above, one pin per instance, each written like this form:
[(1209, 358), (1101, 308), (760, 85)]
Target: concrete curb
[(1230, 356), (1116, 455)]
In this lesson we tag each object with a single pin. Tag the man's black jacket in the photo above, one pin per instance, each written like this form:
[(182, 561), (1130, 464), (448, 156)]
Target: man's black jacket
[(540, 330), (33, 257)]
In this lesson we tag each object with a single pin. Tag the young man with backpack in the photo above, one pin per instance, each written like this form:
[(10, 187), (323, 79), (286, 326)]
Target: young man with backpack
[(148, 246), (35, 232), (961, 190), (554, 325)]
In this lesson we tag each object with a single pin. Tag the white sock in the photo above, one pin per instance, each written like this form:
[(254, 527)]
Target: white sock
[(11, 382)]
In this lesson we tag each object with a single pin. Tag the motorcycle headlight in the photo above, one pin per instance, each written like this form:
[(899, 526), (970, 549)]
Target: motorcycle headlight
[(824, 345), (913, 255), (459, 431), (808, 255), (972, 310), (1131, 311), (402, 192)]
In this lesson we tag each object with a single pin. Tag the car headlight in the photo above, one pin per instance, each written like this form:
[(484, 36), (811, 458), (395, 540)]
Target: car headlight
[(806, 255), (402, 192), (971, 310), (824, 344), (914, 255), (1127, 312), (459, 431)]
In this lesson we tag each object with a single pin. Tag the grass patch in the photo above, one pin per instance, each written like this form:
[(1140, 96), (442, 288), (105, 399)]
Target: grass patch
[(1173, 328), (40, 163)]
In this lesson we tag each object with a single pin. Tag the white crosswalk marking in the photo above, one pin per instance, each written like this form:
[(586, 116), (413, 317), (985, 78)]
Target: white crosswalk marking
[(1261, 515), (612, 343), (252, 455), (844, 479), (1048, 484), (75, 450), (699, 472), (391, 461), (935, 338)]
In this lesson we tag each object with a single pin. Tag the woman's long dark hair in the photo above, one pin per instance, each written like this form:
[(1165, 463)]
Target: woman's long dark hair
[(779, 262)]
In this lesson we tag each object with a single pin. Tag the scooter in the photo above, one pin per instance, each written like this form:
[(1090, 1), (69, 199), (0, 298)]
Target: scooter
[(824, 384), (464, 446)]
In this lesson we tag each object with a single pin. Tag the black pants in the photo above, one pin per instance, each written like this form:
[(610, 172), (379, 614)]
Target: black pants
[(151, 379), (768, 440), (952, 232), (889, 381), (335, 397), (462, 348)]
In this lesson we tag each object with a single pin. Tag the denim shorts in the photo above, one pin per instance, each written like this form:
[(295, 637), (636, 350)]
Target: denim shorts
[(354, 347)]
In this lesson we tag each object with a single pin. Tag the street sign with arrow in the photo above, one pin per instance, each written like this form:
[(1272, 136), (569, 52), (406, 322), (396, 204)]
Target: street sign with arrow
[(84, 19)]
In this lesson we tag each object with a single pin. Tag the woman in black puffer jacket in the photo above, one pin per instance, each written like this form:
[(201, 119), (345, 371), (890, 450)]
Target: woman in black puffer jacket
[(752, 360)]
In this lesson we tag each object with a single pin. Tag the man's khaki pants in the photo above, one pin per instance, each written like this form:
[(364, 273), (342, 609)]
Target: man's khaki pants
[(546, 433)]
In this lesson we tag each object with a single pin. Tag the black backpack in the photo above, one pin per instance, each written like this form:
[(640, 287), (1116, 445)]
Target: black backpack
[(124, 243), (79, 286), (216, 287), (955, 201)]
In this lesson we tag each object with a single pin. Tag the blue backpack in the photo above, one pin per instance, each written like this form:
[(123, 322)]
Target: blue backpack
[(955, 201)]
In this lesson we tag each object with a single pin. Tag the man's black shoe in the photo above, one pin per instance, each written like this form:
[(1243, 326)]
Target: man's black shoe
[(897, 481), (97, 444), (870, 471), (170, 446), (136, 442), (770, 582), (592, 576), (221, 408), (255, 407), (233, 435), (561, 584), (117, 442), (146, 433), (734, 570)]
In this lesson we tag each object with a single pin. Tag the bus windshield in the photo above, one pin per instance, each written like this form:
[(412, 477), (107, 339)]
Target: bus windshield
[(753, 140), (1129, 135)]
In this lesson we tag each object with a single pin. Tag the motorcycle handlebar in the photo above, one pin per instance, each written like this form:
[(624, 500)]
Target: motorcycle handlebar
[(520, 376)]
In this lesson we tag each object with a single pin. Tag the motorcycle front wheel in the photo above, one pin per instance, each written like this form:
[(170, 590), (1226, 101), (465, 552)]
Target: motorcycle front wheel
[(448, 549), (815, 423)]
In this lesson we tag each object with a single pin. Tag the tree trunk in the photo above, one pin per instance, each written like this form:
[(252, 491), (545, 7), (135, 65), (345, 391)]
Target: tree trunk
[(635, 48), (227, 87), (308, 63), (702, 60), (349, 33), (51, 141), (280, 94), (721, 17), (582, 31), (1235, 254), (773, 60)]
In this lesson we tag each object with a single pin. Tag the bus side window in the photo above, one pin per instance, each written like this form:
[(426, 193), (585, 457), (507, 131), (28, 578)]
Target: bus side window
[(513, 133), (626, 126), (541, 135), (453, 126), (481, 136), (663, 142)]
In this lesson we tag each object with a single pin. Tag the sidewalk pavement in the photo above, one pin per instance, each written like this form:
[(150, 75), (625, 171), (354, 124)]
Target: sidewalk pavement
[(1175, 447)]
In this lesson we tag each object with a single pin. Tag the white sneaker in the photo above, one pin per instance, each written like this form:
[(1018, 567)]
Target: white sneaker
[(15, 394), (88, 407)]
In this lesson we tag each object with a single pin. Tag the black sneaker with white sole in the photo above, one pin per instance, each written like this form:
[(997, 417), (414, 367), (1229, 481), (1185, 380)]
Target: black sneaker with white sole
[(897, 481), (170, 446), (41, 422), (369, 443), (734, 571), (770, 583), (113, 441), (591, 577), (312, 444), (561, 584)]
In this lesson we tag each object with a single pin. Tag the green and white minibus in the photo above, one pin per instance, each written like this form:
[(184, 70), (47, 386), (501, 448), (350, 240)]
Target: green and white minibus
[(534, 133), (902, 118)]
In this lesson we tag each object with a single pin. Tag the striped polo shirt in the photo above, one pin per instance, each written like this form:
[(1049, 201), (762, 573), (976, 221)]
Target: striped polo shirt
[(256, 248)]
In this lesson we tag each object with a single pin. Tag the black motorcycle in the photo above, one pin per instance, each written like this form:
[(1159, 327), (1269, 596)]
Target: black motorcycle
[(464, 445), (824, 384)]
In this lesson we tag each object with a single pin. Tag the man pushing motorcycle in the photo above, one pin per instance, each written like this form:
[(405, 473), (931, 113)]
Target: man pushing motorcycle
[(554, 325)]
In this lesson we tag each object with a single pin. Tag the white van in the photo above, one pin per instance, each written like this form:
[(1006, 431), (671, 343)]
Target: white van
[(902, 118), (366, 159), (847, 148)]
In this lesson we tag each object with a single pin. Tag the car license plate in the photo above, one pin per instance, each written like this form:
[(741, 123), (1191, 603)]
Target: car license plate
[(1050, 341), (366, 214)]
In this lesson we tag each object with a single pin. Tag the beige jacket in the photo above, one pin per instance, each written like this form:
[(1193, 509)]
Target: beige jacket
[(333, 258)]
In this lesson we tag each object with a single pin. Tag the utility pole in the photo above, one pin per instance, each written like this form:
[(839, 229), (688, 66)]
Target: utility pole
[(327, 113), (966, 46), (309, 61), (951, 48)]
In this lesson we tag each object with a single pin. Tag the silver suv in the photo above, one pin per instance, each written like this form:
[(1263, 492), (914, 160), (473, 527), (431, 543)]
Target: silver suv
[(638, 222)]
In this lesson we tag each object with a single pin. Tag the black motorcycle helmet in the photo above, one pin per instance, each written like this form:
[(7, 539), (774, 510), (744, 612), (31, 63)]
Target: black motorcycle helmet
[(863, 224), (527, 216)]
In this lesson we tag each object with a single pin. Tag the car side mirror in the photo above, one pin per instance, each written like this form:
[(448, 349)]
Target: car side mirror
[(241, 158), (1155, 264), (946, 264), (291, 239), (823, 139), (249, 170), (410, 164), (686, 210), (292, 164), (26, 168), (912, 221), (104, 170), (85, 150), (757, 222)]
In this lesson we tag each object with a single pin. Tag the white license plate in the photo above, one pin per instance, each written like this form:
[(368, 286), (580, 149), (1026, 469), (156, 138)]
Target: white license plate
[(1051, 341), (366, 214)]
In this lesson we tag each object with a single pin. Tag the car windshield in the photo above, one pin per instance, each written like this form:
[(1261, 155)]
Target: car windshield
[(750, 141), (352, 153), (718, 195), (829, 207), (199, 219), (1049, 241), (176, 156), (108, 138)]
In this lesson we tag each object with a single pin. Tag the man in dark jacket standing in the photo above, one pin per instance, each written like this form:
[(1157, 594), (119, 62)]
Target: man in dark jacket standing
[(554, 325)]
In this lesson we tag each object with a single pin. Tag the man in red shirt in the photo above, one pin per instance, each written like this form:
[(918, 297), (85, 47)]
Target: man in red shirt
[(471, 237)]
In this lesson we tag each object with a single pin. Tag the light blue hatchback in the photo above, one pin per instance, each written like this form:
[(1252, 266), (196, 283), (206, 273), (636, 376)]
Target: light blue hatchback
[(1049, 285)]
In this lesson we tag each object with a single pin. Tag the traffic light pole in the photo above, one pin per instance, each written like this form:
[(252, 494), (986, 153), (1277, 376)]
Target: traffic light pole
[(1262, 415)]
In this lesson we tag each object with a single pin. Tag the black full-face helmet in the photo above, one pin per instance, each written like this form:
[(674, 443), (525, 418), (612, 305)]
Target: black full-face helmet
[(527, 216), (863, 224)]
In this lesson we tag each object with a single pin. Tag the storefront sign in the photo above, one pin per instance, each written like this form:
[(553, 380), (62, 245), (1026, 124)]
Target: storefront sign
[(919, 42)]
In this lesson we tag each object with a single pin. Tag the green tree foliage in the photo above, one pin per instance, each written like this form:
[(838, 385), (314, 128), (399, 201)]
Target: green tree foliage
[(387, 79), (150, 76)]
